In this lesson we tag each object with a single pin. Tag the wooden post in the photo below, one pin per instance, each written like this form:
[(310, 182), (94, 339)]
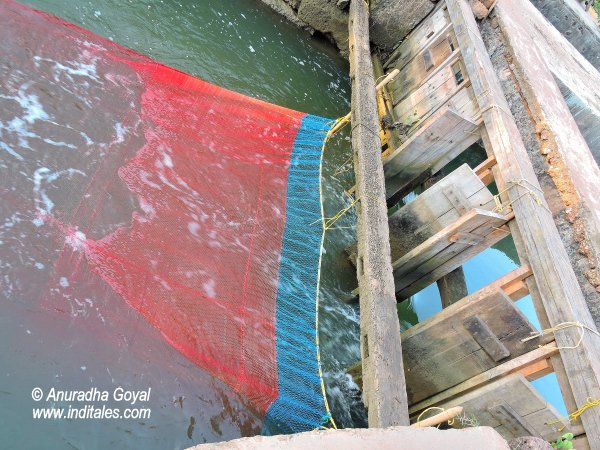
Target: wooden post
[(555, 279), (384, 387)]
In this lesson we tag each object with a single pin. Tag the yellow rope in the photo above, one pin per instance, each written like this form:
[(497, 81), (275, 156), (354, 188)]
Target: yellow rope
[(575, 415), (522, 183), (562, 326), (431, 408), (329, 417)]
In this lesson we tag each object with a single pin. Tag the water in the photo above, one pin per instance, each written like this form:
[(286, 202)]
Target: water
[(243, 46)]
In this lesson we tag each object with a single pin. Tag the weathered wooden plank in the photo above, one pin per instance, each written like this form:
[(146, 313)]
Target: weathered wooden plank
[(440, 352), (512, 406), (443, 134), (435, 209), (428, 97), (510, 420), (453, 286), (484, 170), (531, 286), (422, 67), (523, 364), (439, 249), (384, 387), (422, 36), (581, 442), (560, 291), (450, 259), (484, 336), (389, 138)]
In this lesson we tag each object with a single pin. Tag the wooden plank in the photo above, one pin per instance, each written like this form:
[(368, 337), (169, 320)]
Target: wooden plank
[(438, 249), (522, 409), (384, 386), (521, 364), (420, 69), (510, 419), (484, 336), (428, 97), (537, 370), (531, 284), (445, 133), (449, 260), (581, 442), (389, 137), (560, 292), (422, 36), (440, 352), (432, 211), (457, 198), (484, 170), (512, 283), (437, 243)]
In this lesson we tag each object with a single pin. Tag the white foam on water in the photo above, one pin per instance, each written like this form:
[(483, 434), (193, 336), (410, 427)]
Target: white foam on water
[(167, 161), (73, 69), (193, 228), (120, 131), (209, 288), (41, 177), (76, 240)]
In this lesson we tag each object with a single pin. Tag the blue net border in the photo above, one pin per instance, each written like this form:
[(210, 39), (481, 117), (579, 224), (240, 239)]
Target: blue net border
[(300, 405)]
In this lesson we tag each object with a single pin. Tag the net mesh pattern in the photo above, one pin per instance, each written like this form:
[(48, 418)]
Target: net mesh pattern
[(199, 206)]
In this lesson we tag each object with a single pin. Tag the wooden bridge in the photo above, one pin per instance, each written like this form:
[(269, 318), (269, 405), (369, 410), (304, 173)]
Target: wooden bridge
[(478, 352)]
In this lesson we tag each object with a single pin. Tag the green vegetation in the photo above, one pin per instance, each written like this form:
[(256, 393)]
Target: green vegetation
[(564, 442)]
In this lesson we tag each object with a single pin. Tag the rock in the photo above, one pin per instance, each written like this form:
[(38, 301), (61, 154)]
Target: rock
[(392, 20), (328, 19), (342, 4), (529, 443), (479, 9)]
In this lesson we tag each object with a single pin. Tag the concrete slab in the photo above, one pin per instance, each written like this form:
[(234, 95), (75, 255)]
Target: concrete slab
[(578, 26), (376, 438), (540, 63)]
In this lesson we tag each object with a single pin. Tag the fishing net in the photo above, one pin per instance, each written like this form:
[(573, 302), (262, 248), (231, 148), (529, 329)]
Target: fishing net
[(199, 206)]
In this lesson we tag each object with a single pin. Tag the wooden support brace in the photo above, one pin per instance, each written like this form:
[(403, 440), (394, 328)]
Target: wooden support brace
[(527, 364), (559, 290), (484, 170), (384, 387)]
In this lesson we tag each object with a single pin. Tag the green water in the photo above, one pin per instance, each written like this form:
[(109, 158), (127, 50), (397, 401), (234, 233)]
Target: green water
[(243, 46)]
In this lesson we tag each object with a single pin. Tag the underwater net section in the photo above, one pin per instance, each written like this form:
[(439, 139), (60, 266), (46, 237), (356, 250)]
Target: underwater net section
[(199, 206)]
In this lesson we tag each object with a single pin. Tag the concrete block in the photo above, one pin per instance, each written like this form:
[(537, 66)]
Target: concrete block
[(376, 438)]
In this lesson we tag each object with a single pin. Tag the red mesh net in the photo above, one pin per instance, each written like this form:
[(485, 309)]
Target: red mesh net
[(170, 189)]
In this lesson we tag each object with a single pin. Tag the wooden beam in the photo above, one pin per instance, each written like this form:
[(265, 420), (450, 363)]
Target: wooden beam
[(560, 292), (525, 364), (439, 418), (484, 170), (447, 250), (390, 76), (444, 134), (384, 388)]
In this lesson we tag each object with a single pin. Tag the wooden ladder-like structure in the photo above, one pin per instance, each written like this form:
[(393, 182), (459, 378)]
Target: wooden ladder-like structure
[(476, 352)]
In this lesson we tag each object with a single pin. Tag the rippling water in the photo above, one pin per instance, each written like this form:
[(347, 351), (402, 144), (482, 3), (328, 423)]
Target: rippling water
[(239, 45)]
